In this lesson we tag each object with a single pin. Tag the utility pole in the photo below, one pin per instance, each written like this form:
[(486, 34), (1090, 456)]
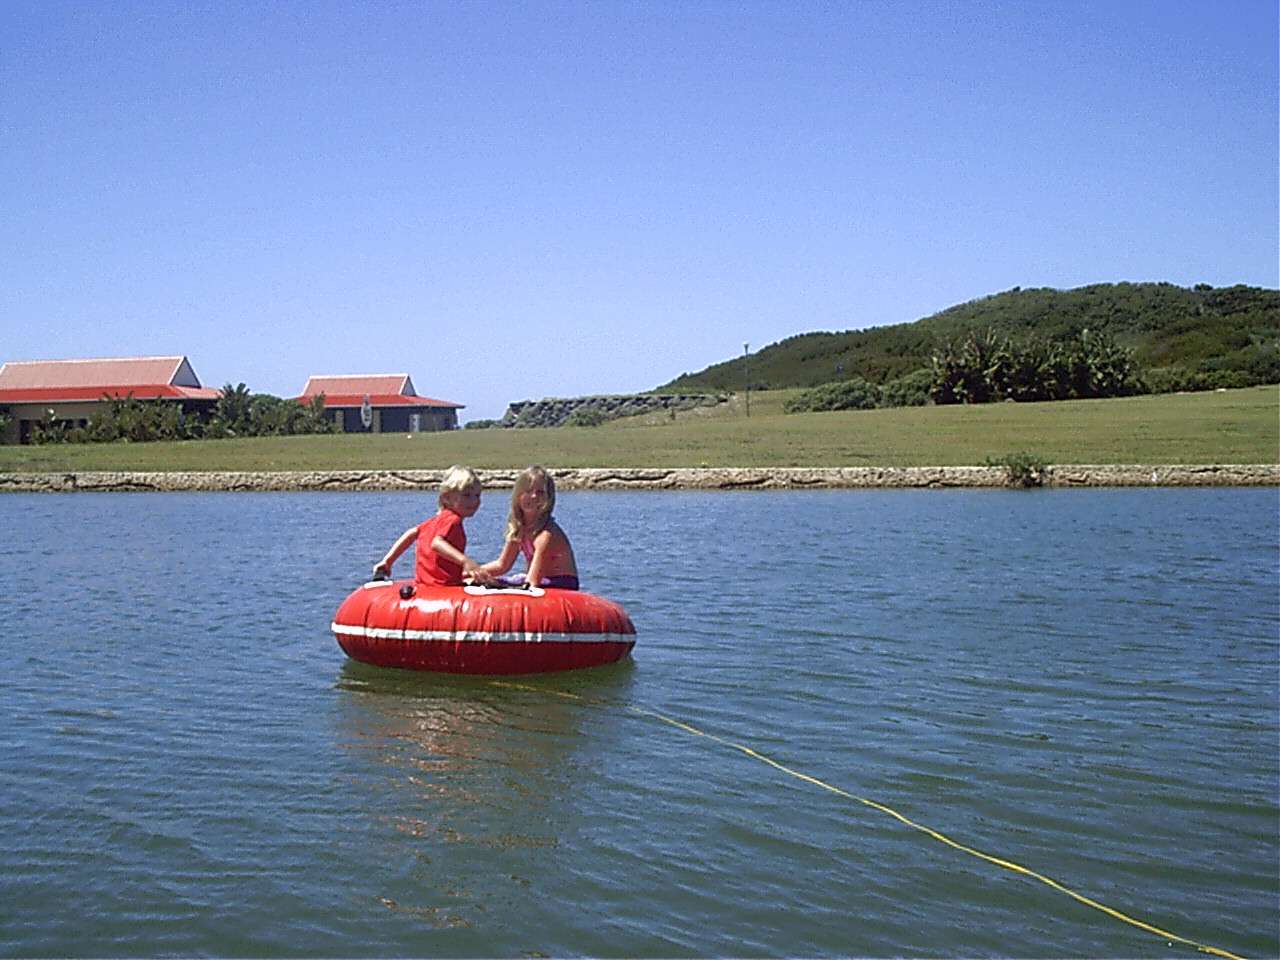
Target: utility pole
[(746, 373)]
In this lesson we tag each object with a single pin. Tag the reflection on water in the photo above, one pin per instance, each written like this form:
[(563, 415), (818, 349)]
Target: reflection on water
[(456, 770)]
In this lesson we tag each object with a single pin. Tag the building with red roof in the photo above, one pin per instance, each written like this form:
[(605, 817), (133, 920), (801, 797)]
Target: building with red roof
[(383, 403), (73, 390)]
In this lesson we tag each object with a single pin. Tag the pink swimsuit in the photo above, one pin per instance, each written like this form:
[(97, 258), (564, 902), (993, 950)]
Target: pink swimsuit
[(567, 581)]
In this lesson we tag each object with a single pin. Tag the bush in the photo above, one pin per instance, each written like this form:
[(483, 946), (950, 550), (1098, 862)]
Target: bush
[(1261, 363), (1226, 379), (909, 391), (1181, 380), (238, 414), (216, 429), (855, 394), (48, 429), (989, 366), (1021, 469), (482, 424), (243, 414), (1253, 364), (585, 417)]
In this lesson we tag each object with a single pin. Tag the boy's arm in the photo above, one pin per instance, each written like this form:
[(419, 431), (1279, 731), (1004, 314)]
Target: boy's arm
[(469, 567), (397, 548)]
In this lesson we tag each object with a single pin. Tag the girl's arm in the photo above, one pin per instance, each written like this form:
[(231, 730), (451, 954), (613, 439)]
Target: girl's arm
[(469, 567), (397, 548), (539, 559), (510, 550)]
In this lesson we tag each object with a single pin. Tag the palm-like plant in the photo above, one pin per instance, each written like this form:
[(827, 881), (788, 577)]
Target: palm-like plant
[(233, 408)]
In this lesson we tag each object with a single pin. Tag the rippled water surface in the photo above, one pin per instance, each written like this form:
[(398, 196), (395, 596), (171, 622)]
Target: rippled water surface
[(1083, 684)]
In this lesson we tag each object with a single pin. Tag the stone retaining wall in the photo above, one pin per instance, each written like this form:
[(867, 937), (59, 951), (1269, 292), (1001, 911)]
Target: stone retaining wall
[(680, 478), (556, 412)]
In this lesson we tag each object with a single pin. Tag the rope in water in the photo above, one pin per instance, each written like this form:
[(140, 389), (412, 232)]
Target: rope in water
[(940, 837)]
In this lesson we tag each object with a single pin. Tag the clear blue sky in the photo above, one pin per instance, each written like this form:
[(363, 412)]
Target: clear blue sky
[(512, 200)]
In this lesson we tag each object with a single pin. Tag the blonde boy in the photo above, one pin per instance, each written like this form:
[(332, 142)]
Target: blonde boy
[(442, 541)]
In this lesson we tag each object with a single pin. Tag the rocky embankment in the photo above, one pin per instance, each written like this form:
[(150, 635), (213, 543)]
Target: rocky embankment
[(679, 478), (559, 412)]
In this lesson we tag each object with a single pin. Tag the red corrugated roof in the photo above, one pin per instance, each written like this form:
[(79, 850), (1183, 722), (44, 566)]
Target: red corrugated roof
[(66, 381), (395, 384), (86, 394), (383, 390), (117, 372)]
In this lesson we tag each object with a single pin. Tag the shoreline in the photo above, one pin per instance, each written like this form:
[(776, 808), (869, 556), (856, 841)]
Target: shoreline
[(638, 478)]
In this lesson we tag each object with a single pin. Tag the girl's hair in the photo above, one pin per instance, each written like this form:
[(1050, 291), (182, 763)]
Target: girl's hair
[(515, 523), (457, 479)]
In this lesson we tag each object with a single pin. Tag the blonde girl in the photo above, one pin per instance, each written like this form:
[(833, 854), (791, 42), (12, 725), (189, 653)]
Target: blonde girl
[(532, 531)]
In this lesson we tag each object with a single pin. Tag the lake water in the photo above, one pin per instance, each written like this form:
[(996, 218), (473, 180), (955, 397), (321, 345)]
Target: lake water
[(1082, 683)]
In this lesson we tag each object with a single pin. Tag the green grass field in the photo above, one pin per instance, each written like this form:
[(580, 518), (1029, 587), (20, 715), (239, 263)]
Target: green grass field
[(1229, 427)]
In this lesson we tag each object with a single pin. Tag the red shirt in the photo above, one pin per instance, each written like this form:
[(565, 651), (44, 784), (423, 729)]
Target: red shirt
[(433, 568)]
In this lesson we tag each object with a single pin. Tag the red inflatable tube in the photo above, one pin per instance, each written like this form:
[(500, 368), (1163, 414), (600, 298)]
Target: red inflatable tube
[(476, 630)]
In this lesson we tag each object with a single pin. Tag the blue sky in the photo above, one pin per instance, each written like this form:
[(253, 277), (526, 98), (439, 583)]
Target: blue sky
[(514, 200)]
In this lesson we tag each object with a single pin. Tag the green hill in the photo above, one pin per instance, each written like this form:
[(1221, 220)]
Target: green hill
[(1179, 337)]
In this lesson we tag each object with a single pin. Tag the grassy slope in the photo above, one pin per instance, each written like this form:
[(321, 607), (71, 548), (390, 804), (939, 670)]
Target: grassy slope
[(1226, 328), (1238, 426)]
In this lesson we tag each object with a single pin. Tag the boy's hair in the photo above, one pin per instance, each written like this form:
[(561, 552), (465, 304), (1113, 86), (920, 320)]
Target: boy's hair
[(457, 479), (515, 522)]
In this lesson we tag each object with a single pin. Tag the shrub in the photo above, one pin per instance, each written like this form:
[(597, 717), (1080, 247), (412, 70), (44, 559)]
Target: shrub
[(989, 366), (1226, 379), (585, 417), (909, 391), (1182, 380), (216, 429), (243, 414), (1021, 469), (855, 394), (48, 429)]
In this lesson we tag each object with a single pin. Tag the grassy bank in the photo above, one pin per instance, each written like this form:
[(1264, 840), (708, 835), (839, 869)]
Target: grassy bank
[(1237, 426)]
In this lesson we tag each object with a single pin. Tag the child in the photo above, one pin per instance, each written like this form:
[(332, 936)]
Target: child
[(531, 531), (441, 540)]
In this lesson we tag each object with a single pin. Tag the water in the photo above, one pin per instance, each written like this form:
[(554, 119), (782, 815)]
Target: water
[(1082, 683)]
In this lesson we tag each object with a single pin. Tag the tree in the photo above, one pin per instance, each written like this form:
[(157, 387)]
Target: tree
[(233, 408), (987, 366)]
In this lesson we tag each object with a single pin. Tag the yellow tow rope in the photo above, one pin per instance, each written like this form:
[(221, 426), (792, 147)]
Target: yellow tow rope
[(943, 838)]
